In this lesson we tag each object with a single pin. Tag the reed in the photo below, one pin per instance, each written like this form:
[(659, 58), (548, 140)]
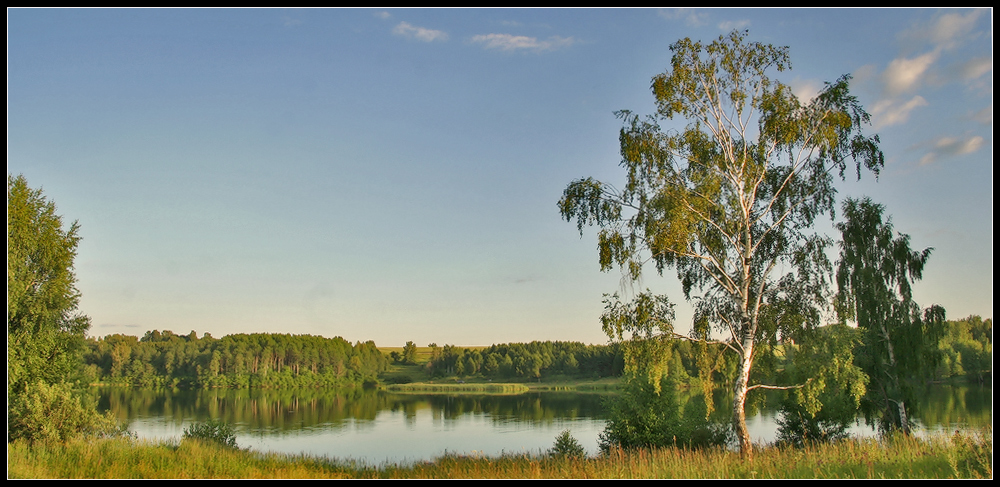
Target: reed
[(959, 456)]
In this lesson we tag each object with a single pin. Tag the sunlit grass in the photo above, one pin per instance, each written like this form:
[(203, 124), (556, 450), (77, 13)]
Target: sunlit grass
[(495, 388), (959, 456)]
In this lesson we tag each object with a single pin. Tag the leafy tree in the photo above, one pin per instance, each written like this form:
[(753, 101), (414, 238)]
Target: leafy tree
[(410, 353), (967, 349), (567, 446), (45, 332), (729, 201), (827, 405), (648, 412), (875, 274)]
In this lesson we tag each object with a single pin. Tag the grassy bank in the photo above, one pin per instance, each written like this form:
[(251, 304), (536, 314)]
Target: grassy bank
[(967, 456), (453, 385), (483, 387)]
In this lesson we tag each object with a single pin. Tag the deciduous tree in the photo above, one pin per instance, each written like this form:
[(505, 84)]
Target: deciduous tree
[(45, 331), (875, 274), (729, 200)]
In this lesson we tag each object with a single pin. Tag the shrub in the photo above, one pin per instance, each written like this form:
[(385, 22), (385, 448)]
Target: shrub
[(44, 413), (641, 417), (212, 430), (567, 446)]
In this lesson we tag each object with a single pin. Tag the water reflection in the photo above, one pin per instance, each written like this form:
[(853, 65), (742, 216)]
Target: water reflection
[(378, 426)]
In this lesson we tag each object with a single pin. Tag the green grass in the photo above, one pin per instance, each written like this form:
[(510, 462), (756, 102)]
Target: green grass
[(959, 456), (493, 388)]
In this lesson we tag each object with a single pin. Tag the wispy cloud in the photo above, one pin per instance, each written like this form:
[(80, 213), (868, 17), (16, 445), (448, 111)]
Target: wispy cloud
[(419, 33), (691, 17), (951, 146), (805, 90), (945, 31), (891, 112), (509, 42), (904, 75), (984, 116), (926, 46), (729, 25)]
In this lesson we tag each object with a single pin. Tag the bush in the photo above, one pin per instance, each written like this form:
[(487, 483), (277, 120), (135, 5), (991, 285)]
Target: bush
[(45, 413), (567, 446), (213, 431), (641, 417)]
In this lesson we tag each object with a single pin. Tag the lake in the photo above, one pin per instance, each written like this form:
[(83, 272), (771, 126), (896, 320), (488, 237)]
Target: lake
[(374, 426)]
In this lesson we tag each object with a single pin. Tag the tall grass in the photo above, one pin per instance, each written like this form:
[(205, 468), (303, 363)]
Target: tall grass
[(959, 456)]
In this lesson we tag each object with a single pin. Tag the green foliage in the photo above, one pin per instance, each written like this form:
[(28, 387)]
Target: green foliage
[(525, 361), (47, 413), (44, 330), (409, 353), (567, 446), (260, 360), (971, 455), (966, 350), (648, 414), (729, 201), (826, 405), (875, 274), (213, 431)]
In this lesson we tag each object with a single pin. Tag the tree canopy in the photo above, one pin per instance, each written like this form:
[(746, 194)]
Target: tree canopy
[(45, 332), (44, 329), (729, 200), (875, 275)]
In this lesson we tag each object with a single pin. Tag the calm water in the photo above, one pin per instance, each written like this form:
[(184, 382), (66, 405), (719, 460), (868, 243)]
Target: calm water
[(377, 426)]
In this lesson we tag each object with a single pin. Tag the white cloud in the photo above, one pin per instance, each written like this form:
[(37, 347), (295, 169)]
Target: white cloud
[(509, 42), (382, 15), (691, 17), (951, 146), (946, 31), (420, 33), (805, 90), (730, 25), (891, 112), (904, 75)]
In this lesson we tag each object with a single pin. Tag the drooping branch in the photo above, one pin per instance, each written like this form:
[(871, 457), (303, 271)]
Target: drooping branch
[(779, 388)]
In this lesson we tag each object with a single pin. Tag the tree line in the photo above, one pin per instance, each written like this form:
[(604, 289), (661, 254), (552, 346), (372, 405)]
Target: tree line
[(526, 361), (259, 360)]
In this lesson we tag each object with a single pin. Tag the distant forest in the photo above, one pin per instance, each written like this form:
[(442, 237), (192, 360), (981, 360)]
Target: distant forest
[(264, 360)]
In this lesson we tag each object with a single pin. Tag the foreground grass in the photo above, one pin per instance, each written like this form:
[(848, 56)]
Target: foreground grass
[(965, 456)]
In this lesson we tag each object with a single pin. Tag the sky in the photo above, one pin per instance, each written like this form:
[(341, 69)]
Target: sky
[(392, 175)]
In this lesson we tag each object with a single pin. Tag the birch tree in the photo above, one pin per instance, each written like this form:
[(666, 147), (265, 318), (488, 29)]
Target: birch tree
[(728, 201), (899, 342)]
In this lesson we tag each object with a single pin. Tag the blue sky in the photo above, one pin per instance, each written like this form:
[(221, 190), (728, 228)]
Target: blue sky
[(393, 174)]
